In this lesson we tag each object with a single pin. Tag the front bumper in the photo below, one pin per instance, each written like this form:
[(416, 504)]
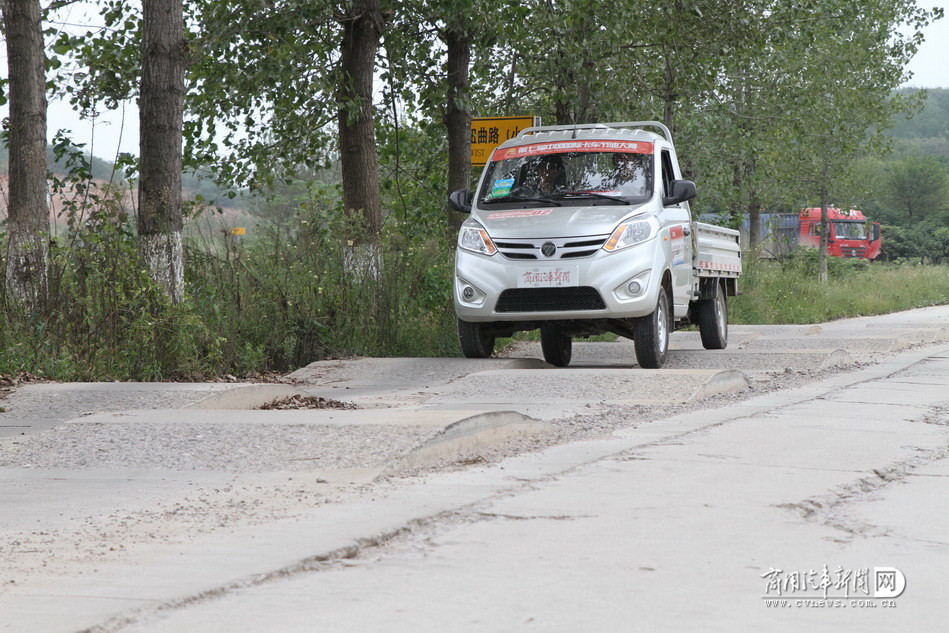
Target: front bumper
[(607, 273)]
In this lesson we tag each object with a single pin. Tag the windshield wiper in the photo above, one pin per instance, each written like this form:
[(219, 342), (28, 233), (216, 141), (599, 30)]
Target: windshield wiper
[(523, 199), (590, 194)]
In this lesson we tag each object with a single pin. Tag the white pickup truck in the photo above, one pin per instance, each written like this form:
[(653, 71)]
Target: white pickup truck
[(584, 229)]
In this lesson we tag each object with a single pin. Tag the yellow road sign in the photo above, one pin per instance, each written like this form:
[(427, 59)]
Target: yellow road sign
[(239, 230), (489, 132)]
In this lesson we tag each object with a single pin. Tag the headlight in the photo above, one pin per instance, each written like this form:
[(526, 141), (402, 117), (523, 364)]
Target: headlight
[(474, 238), (630, 233)]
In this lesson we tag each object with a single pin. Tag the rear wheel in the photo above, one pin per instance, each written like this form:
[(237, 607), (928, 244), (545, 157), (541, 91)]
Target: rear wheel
[(557, 346), (713, 319), (475, 341), (651, 334)]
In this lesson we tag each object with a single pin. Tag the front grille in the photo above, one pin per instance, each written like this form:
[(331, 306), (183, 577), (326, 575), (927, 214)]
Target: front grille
[(566, 249), (859, 251), (597, 242), (513, 245), (577, 254), (550, 299)]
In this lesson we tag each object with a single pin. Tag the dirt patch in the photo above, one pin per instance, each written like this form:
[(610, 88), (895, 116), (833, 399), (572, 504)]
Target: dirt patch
[(306, 402)]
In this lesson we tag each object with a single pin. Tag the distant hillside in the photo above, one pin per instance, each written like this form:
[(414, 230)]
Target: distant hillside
[(927, 133), (101, 170), (932, 122)]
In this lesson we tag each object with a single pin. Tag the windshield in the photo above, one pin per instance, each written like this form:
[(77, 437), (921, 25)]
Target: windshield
[(850, 230), (569, 173)]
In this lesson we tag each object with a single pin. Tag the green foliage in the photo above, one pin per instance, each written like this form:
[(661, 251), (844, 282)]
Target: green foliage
[(284, 296), (932, 121), (916, 187), (788, 293), (770, 102), (292, 295), (106, 319), (924, 242)]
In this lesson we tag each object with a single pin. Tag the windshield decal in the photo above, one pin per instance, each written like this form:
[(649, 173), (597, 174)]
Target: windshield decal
[(561, 147), (502, 187), (521, 213)]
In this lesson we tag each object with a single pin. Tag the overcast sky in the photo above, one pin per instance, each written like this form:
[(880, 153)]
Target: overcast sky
[(930, 69)]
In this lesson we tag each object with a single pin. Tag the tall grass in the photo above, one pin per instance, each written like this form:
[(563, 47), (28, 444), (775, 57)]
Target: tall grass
[(285, 297), (295, 294), (788, 292)]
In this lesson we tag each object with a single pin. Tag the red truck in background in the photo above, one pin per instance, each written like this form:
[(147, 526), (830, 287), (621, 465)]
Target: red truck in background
[(851, 235)]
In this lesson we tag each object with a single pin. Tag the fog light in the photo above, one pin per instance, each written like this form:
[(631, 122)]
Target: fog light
[(468, 293), (634, 288)]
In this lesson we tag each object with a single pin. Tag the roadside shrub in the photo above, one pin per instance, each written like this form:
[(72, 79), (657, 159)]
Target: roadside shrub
[(806, 261), (289, 296), (105, 319)]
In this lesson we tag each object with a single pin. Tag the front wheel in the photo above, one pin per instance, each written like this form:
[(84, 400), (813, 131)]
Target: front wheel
[(713, 319), (557, 346), (475, 341), (651, 334)]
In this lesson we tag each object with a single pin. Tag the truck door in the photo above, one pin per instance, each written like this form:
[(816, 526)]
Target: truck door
[(677, 224)]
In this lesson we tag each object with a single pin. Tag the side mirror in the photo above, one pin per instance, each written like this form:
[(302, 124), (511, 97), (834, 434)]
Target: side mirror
[(681, 191), (460, 200)]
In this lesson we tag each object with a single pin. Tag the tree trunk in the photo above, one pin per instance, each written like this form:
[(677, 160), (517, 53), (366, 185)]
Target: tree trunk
[(562, 113), (563, 83), (161, 105), (27, 210), (754, 220), (735, 205), (357, 143), (511, 79), (824, 231), (457, 116), (668, 97)]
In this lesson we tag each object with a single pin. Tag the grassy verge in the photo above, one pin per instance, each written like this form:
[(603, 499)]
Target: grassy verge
[(788, 292)]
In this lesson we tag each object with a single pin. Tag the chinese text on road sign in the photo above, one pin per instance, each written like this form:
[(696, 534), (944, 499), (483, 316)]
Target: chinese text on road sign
[(488, 133)]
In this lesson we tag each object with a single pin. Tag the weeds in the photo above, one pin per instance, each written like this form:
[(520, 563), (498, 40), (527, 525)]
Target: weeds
[(788, 291), (287, 296)]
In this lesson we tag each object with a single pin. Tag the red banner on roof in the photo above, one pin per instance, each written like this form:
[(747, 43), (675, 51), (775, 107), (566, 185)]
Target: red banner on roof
[(561, 147)]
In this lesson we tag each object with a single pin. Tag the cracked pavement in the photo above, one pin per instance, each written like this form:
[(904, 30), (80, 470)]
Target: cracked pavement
[(674, 534), (661, 518)]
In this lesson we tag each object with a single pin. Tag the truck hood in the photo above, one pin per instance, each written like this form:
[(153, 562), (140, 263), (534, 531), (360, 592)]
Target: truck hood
[(553, 221)]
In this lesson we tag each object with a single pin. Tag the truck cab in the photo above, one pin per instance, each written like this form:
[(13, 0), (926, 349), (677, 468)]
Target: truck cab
[(583, 229), (851, 235)]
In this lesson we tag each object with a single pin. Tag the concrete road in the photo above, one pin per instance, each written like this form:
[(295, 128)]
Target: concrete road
[(690, 525), (629, 498)]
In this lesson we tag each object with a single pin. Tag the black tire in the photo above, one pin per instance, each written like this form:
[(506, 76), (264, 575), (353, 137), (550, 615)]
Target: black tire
[(651, 334), (475, 343), (713, 319), (557, 346)]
